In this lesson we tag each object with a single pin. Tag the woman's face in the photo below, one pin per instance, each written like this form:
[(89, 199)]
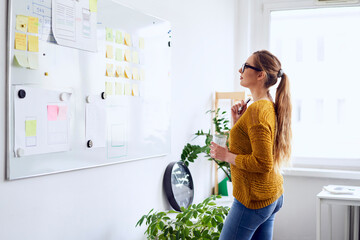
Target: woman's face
[(249, 76)]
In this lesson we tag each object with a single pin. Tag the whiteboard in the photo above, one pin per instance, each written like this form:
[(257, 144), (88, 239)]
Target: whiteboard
[(65, 108)]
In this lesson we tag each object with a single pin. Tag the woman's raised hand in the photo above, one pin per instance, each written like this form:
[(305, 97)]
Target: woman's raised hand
[(235, 113)]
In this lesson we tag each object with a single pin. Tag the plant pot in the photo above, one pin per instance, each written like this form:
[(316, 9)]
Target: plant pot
[(229, 188)]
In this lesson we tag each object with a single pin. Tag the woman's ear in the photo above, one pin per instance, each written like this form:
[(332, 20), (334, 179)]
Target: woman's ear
[(261, 75)]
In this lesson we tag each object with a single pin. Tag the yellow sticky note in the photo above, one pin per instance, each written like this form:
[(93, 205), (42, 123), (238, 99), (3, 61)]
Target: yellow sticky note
[(109, 51), (109, 88), (128, 89), (142, 74), (33, 25), (135, 74), (118, 37), (135, 90), (119, 89), (21, 23), (20, 41), (119, 72), (127, 55), (141, 43), (109, 34), (93, 5), (118, 54), (127, 39), (33, 61), (135, 57), (33, 43), (21, 59), (109, 69), (30, 128), (127, 73)]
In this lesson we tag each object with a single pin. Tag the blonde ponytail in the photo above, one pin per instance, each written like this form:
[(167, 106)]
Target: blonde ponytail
[(272, 66), (283, 135)]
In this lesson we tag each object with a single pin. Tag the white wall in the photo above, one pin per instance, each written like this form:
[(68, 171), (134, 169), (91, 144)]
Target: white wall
[(105, 203)]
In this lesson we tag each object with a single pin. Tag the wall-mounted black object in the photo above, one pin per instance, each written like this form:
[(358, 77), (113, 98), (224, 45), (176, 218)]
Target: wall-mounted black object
[(89, 144), (178, 185), (22, 93)]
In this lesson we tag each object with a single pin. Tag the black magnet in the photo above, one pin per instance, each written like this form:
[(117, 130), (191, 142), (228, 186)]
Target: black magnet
[(89, 144), (103, 95), (21, 93)]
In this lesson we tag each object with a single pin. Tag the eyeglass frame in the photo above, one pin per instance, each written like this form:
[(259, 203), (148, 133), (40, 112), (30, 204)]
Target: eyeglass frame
[(245, 65)]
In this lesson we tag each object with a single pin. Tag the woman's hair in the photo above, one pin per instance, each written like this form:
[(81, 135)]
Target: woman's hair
[(271, 65)]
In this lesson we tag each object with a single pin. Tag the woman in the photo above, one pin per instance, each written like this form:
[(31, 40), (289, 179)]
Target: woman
[(259, 143)]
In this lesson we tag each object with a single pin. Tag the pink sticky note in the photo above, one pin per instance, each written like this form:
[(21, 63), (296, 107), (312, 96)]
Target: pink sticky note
[(62, 113), (52, 112)]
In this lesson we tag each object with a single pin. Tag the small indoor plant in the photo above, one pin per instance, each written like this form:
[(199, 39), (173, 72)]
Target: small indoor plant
[(199, 221), (191, 152)]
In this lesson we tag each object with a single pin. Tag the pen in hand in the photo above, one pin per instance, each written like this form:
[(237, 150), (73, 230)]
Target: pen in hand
[(246, 102)]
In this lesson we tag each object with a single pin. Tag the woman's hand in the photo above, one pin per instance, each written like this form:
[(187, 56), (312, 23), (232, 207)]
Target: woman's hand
[(235, 114), (221, 153)]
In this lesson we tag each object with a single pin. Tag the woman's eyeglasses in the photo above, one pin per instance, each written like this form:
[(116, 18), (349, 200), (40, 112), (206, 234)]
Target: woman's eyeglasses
[(245, 65)]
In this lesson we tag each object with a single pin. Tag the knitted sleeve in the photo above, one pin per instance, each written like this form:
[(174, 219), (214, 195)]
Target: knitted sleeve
[(261, 158)]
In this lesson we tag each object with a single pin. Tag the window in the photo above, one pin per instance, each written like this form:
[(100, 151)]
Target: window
[(320, 51)]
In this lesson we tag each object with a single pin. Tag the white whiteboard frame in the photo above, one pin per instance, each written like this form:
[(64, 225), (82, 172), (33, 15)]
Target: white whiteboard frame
[(9, 112)]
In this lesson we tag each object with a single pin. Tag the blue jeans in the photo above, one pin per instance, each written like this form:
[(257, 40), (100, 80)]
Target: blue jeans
[(244, 224)]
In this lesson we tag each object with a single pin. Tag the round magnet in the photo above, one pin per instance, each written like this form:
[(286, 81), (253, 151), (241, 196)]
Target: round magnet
[(21, 93), (20, 152), (103, 95), (89, 144), (63, 96), (88, 99)]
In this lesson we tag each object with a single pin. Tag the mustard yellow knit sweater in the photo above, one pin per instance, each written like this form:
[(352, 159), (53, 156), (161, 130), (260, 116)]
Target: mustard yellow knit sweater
[(255, 182)]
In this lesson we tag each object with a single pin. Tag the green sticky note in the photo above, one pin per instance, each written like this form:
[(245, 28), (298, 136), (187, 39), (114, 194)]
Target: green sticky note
[(118, 54), (109, 34), (118, 37), (30, 128), (93, 5)]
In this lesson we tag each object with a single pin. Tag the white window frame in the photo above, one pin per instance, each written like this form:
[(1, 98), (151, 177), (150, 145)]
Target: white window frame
[(304, 167)]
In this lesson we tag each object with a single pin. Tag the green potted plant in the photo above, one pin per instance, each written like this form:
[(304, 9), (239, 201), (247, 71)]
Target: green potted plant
[(199, 221), (191, 152)]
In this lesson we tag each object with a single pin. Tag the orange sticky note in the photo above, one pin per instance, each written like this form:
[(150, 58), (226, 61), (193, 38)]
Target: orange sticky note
[(109, 88), (20, 41), (127, 55), (135, 74), (127, 73), (109, 69), (119, 89), (128, 89), (119, 72), (33, 25), (109, 51), (135, 90), (127, 39), (135, 57), (33, 43)]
